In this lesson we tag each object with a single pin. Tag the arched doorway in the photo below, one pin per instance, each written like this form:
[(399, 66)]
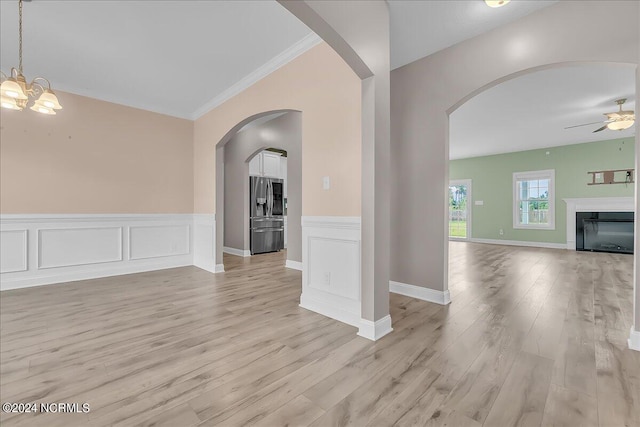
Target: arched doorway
[(271, 129)]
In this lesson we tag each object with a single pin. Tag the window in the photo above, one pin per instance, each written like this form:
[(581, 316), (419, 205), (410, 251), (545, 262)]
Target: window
[(534, 200)]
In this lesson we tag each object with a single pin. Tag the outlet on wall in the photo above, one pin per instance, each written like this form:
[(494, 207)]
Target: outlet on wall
[(327, 278), (501, 231)]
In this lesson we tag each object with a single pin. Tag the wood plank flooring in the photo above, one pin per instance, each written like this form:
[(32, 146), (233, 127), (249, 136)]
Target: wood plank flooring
[(533, 337)]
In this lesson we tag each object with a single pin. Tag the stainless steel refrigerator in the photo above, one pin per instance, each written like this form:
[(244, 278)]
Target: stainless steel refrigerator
[(266, 206)]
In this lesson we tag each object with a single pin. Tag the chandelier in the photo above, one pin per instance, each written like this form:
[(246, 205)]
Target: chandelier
[(16, 92)]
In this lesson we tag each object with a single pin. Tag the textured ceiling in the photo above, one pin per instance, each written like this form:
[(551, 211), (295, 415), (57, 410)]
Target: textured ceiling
[(531, 111)]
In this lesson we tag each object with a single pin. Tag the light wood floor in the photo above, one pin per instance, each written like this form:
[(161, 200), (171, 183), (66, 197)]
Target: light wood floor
[(533, 337)]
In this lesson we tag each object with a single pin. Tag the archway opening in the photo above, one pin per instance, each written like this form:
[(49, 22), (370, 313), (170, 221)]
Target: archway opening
[(264, 153), (537, 145)]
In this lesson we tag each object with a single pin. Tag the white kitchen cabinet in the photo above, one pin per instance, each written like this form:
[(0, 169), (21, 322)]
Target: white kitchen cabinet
[(265, 164), (255, 165), (270, 164)]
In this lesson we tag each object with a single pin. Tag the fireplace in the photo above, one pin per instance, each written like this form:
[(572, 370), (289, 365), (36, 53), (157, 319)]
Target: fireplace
[(604, 232)]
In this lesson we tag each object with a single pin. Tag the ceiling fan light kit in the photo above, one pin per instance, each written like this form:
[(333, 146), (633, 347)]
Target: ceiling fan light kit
[(496, 3), (15, 91), (619, 120)]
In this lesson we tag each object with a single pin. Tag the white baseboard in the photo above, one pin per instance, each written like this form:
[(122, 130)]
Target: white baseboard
[(375, 330), (236, 252), (43, 249), (295, 265), (634, 340), (219, 268), (329, 309), (419, 292), (520, 243)]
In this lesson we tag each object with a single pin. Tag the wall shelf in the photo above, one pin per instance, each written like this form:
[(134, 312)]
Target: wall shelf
[(616, 176)]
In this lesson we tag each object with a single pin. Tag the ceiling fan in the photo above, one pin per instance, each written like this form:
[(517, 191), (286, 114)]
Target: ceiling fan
[(619, 120)]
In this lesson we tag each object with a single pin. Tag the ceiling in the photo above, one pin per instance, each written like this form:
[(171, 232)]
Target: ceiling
[(531, 111), (420, 28), (182, 58), (171, 57)]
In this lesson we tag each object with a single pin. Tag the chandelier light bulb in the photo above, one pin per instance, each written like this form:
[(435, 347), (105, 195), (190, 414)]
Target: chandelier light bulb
[(9, 103)]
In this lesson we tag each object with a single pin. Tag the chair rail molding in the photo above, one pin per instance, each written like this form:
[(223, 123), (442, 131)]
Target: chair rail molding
[(43, 249), (593, 204)]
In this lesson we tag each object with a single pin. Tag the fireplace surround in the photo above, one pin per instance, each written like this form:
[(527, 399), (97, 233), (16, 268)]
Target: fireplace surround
[(593, 204)]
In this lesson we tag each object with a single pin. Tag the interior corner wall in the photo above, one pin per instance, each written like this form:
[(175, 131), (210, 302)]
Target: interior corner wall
[(326, 91), (284, 132), (424, 92), (95, 157), (492, 182)]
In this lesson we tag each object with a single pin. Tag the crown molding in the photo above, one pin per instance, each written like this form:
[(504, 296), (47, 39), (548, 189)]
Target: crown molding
[(282, 59)]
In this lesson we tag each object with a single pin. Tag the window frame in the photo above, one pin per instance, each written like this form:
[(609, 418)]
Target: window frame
[(549, 174)]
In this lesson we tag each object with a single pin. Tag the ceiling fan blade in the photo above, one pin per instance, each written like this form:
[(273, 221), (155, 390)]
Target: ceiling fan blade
[(586, 124), (602, 128)]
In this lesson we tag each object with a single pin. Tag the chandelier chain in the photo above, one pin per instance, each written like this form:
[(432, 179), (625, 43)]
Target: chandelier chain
[(20, 36)]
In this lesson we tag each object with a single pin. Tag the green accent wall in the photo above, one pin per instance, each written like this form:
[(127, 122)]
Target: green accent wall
[(492, 182)]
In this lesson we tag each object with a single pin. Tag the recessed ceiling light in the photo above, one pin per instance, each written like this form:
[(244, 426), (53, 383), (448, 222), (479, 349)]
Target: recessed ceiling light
[(496, 3)]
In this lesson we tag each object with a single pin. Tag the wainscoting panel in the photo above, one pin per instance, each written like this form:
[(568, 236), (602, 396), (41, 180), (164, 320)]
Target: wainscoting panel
[(331, 267), (13, 251), (66, 247), (45, 249), (158, 241), (204, 242)]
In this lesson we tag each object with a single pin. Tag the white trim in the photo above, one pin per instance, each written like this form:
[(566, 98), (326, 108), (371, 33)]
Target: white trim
[(469, 184), (56, 278), (634, 340), (236, 252), (331, 273), (375, 330), (549, 174), (346, 222), (85, 257), (294, 265), (75, 218), (421, 293), (219, 268), (547, 245), (330, 309), (272, 65), (593, 204), (204, 242)]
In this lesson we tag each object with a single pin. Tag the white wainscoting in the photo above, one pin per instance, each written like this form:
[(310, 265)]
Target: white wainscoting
[(331, 251), (45, 249), (204, 242), (593, 204)]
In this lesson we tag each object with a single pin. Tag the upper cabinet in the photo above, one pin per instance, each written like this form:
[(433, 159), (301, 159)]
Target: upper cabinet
[(255, 165), (265, 164), (271, 164)]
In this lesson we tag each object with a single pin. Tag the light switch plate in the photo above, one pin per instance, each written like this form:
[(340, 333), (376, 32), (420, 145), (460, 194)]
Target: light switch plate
[(326, 183), (479, 203)]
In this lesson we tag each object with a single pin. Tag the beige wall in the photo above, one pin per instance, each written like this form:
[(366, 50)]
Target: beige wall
[(425, 91), (327, 92), (95, 157)]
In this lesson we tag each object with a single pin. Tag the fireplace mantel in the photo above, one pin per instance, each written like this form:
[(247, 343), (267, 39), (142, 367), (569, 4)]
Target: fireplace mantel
[(593, 204)]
